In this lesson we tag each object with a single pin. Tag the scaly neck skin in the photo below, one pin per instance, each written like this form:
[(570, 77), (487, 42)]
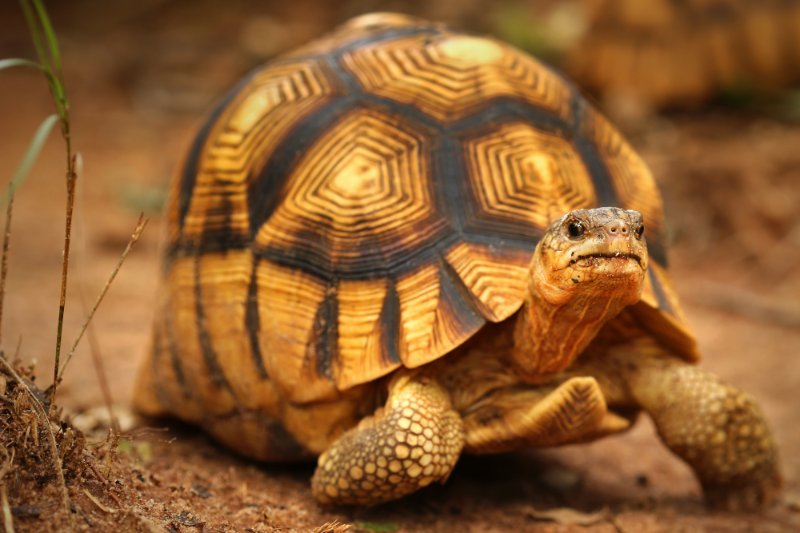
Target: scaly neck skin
[(551, 332), (562, 315)]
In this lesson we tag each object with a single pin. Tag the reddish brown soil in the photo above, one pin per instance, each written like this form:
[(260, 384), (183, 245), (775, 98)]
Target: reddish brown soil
[(139, 84)]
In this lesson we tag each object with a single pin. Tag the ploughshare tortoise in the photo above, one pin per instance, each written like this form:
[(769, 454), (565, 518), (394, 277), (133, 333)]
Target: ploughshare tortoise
[(665, 53), (385, 250)]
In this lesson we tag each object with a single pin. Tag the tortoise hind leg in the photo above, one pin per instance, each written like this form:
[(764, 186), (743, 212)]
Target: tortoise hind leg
[(518, 417), (415, 439), (717, 429)]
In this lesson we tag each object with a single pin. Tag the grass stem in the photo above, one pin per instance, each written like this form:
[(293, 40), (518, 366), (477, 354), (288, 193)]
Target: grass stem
[(4, 260), (137, 232)]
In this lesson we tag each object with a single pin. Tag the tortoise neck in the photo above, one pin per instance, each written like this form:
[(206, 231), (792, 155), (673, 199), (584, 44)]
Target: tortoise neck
[(552, 329)]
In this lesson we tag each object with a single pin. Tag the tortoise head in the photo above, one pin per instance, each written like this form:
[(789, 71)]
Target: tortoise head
[(589, 265), (592, 253)]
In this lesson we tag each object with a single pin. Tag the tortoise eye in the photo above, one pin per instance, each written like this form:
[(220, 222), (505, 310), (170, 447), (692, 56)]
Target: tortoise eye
[(575, 229), (640, 231)]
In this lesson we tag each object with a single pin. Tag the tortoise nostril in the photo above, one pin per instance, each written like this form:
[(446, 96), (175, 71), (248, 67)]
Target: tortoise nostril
[(617, 228)]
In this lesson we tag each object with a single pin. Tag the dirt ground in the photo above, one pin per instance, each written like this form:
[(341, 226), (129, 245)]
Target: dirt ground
[(139, 86)]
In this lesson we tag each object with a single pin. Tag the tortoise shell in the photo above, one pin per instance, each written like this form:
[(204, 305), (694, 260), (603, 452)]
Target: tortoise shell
[(681, 52), (369, 202)]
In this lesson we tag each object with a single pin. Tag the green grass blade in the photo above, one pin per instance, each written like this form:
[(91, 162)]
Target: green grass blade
[(33, 151), (18, 62), (57, 88), (50, 35), (46, 44), (36, 34)]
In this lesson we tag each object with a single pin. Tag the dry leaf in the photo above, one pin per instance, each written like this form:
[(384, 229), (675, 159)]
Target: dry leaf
[(568, 516)]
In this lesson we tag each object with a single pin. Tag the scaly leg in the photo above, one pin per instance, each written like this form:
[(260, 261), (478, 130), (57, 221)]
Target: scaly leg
[(718, 430), (514, 418), (414, 440)]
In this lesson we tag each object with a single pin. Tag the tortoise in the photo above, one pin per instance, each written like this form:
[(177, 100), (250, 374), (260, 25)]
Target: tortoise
[(667, 53), (401, 243)]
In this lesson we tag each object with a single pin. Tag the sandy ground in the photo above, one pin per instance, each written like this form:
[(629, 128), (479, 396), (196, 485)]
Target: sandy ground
[(742, 300)]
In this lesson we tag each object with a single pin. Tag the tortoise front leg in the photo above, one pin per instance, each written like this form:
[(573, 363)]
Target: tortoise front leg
[(414, 440), (524, 416), (717, 429)]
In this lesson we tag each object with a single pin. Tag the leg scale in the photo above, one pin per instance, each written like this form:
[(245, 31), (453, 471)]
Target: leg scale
[(414, 440)]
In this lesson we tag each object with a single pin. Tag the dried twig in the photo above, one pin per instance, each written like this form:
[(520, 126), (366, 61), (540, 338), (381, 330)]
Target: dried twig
[(17, 350), (7, 464), (99, 366), (99, 505), (97, 474), (137, 232), (8, 518), (333, 527), (102, 377), (43, 415)]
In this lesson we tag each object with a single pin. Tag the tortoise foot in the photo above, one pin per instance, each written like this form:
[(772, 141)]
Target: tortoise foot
[(717, 429)]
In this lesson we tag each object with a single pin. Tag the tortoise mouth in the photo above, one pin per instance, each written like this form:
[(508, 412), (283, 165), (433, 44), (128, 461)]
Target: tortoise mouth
[(593, 258)]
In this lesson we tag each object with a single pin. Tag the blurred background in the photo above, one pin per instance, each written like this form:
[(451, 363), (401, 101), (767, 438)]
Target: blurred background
[(708, 91)]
